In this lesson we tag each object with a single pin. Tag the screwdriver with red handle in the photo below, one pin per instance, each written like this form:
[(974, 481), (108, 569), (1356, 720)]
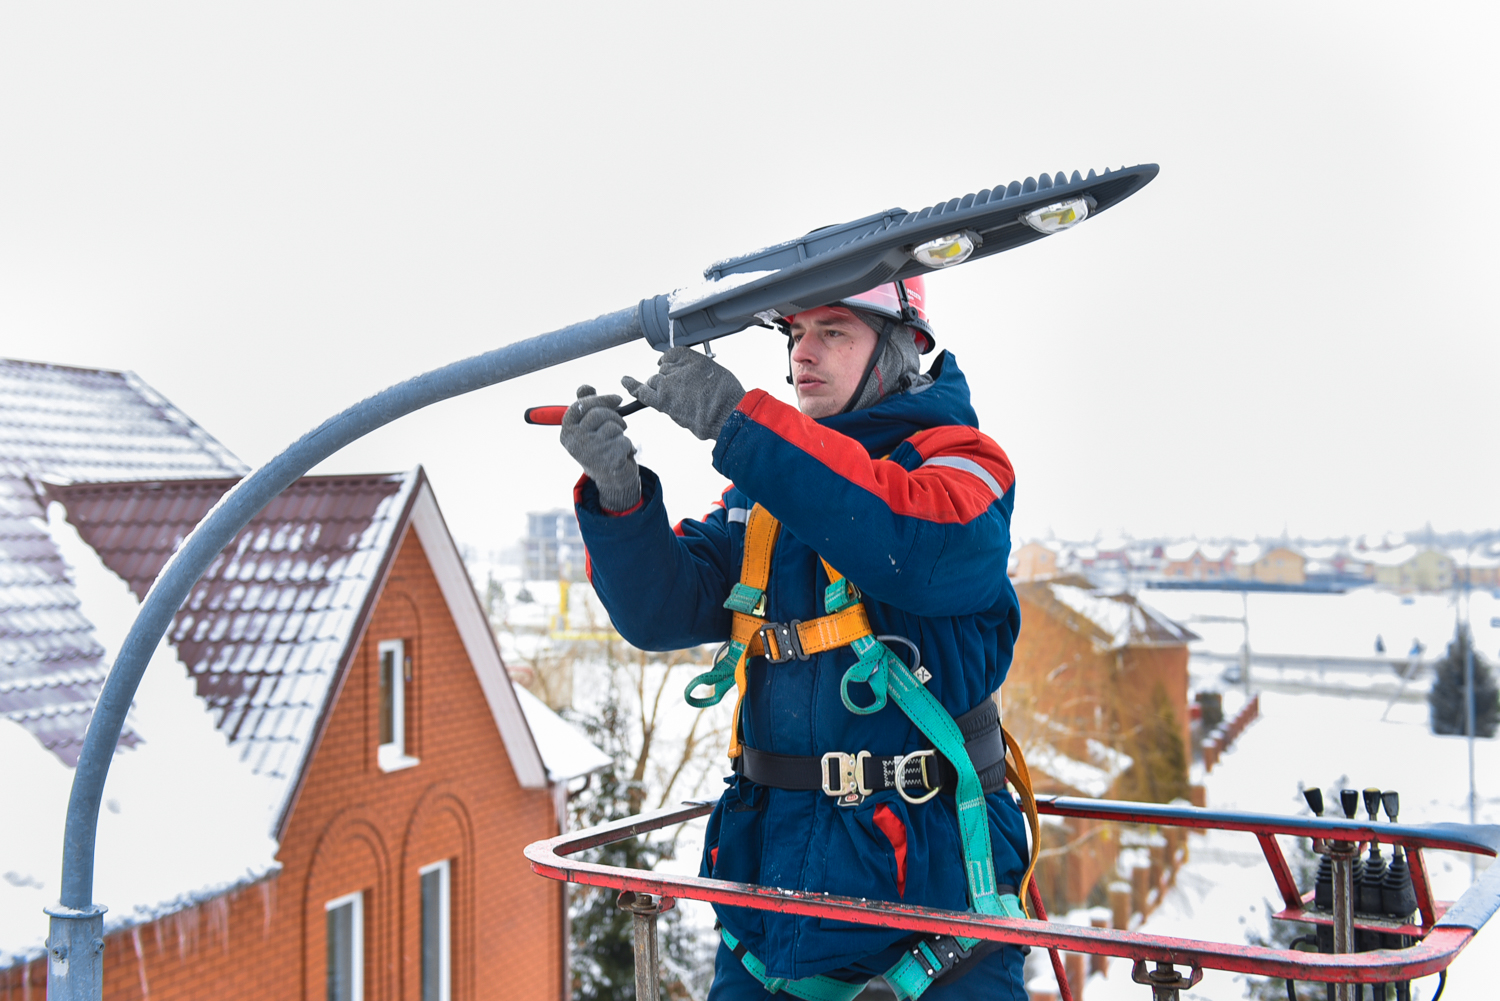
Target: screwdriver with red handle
[(554, 415)]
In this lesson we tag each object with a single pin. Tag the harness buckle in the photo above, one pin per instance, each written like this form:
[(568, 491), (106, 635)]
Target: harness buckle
[(899, 779), (788, 645), (851, 790), (945, 950)]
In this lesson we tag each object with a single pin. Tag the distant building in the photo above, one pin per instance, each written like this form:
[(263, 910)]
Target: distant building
[(553, 547), (1408, 568), (1274, 565), (1198, 561), (1032, 561), (1476, 569)]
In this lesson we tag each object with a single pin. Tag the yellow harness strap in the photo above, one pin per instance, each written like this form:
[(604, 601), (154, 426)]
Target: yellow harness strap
[(761, 532), (1019, 776)]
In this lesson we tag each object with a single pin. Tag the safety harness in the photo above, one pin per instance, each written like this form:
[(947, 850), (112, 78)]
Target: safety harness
[(850, 776)]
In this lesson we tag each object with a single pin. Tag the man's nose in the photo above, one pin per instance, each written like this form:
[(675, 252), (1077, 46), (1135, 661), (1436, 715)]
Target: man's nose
[(804, 351)]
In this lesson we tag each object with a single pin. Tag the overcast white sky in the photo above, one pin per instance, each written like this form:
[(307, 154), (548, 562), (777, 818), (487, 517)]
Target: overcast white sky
[(270, 211)]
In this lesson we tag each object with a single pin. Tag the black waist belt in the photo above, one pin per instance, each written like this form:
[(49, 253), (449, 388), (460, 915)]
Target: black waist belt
[(853, 775)]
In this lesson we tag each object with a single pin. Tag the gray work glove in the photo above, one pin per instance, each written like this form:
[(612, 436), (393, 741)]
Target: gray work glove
[(594, 434), (692, 389)]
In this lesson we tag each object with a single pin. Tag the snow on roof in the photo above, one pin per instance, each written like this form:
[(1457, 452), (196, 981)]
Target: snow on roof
[(183, 818), (565, 750), (64, 425), (90, 424), (263, 632), (1091, 778), (1179, 551), (1118, 619), (1248, 553), (1465, 558), (1389, 557)]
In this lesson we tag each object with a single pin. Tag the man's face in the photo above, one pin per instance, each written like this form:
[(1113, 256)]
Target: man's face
[(830, 349)]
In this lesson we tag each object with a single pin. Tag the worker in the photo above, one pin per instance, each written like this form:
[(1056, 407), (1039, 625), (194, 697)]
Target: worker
[(855, 573)]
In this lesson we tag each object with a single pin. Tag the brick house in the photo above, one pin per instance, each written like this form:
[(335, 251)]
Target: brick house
[(1092, 671), (369, 776)]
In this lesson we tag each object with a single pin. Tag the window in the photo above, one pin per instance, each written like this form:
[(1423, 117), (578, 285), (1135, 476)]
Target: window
[(395, 672), (346, 948), (436, 939)]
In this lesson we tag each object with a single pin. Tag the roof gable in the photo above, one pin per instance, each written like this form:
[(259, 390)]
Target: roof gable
[(268, 631)]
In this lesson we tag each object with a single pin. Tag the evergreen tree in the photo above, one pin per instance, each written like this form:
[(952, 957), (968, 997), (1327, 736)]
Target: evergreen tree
[(603, 960), (1446, 699), (1282, 934), (1160, 771)]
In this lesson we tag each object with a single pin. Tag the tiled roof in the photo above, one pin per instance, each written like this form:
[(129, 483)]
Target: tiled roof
[(1109, 620), (67, 424), (87, 424), (263, 631)]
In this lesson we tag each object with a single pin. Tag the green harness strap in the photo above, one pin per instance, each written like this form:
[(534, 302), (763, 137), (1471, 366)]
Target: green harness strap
[(815, 988)]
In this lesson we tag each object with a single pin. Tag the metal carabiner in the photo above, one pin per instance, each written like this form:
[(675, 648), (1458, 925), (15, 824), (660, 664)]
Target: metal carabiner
[(918, 671)]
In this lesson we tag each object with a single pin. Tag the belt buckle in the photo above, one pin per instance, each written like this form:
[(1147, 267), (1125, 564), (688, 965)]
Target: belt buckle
[(788, 645), (900, 776), (851, 789)]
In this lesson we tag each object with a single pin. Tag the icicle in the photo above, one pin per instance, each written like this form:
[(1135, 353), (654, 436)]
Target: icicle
[(187, 932), (26, 982), (267, 904), (218, 920), (140, 961), (156, 930)]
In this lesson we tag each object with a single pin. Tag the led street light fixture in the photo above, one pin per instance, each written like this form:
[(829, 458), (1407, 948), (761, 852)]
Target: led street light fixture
[(1058, 216), (836, 262), (954, 248)]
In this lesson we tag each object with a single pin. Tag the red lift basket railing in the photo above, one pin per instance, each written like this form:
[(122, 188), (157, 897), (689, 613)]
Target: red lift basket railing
[(1443, 932)]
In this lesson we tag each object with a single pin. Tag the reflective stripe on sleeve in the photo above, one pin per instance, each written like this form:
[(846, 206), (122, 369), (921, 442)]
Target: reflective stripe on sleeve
[(968, 466)]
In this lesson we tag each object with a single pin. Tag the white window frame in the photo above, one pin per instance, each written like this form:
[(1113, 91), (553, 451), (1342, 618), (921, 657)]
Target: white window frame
[(356, 940), (445, 926), (392, 755)]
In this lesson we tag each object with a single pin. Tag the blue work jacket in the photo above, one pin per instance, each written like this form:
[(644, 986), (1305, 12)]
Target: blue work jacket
[(912, 503)]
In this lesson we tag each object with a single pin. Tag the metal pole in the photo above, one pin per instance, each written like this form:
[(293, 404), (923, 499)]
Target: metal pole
[(1245, 616), (645, 911), (1343, 854), (1467, 636), (1165, 982), (75, 954), (77, 922)]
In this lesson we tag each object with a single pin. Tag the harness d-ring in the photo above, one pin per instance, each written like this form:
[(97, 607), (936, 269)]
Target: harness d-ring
[(900, 777)]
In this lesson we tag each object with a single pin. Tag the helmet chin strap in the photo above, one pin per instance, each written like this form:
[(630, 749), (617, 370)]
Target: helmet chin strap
[(886, 327)]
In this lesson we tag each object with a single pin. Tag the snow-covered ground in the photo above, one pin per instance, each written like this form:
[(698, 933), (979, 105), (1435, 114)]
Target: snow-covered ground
[(1222, 892), (1329, 625)]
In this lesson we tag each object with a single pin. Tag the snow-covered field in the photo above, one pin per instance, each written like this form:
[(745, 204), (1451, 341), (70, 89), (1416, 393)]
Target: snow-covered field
[(1329, 625), (1221, 893)]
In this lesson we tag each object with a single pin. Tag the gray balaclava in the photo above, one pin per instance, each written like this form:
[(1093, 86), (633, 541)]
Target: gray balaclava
[(897, 370)]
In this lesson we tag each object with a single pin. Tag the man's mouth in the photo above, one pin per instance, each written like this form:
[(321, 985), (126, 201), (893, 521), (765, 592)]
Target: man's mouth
[(809, 382)]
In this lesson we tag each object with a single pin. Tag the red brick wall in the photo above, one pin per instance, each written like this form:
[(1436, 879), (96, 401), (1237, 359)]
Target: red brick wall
[(356, 828)]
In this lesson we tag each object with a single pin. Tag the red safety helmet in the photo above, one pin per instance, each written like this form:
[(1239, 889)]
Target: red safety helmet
[(904, 301)]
